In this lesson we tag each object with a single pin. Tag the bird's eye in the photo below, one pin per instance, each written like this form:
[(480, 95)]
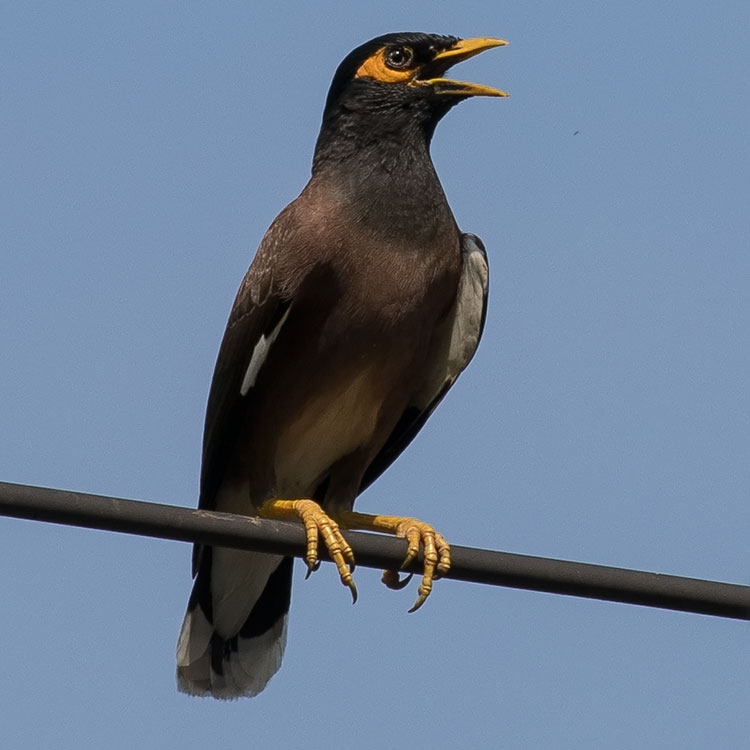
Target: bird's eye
[(399, 57)]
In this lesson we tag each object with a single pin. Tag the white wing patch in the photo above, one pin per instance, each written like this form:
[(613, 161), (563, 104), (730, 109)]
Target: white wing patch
[(260, 352)]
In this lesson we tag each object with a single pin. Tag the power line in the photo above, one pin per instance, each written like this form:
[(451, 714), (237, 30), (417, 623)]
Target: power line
[(376, 551)]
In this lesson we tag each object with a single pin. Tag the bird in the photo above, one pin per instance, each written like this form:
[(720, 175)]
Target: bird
[(363, 304)]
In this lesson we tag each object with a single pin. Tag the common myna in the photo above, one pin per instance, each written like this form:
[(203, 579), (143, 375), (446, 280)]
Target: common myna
[(361, 308)]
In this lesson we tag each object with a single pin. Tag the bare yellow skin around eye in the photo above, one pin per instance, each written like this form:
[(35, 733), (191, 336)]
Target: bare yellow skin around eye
[(376, 68)]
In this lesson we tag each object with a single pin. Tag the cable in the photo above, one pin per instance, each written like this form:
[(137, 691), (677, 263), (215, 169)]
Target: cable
[(376, 551)]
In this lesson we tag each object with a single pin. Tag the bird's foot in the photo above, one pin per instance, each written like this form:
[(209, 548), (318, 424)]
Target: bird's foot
[(317, 523), (437, 552)]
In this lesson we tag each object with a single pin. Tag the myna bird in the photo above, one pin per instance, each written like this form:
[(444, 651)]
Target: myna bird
[(361, 308)]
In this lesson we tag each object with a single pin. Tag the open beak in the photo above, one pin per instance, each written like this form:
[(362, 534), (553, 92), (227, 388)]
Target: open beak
[(462, 50)]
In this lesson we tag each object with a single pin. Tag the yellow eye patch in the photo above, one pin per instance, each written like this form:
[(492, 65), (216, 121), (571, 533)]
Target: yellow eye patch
[(376, 68)]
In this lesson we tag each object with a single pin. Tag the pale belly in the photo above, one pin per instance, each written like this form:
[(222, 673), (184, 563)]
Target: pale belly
[(334, 424)]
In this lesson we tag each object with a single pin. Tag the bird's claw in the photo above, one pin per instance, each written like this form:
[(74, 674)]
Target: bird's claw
[(317, 524), (311, 568), (437, 554), (393, 580)]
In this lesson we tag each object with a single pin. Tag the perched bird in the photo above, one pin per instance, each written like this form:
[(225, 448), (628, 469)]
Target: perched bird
[(361, 308)]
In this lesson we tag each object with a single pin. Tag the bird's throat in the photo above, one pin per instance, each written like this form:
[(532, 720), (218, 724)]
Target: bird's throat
[(387, 182)]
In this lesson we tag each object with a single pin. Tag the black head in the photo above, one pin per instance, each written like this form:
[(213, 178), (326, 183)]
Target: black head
[(409, 64), (396, 81)]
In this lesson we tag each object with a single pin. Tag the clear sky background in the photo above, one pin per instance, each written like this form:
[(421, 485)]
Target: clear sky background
[(145, 148)]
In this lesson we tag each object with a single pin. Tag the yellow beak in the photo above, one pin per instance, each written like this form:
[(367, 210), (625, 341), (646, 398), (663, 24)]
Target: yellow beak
[(462, 50), (466, 48)]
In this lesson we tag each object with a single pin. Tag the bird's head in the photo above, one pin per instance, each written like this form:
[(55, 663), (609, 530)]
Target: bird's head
[(408, 65), (397, 80)]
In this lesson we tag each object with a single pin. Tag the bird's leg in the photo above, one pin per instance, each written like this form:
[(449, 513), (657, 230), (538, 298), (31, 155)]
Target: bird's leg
[(437, 552), (317, 522)]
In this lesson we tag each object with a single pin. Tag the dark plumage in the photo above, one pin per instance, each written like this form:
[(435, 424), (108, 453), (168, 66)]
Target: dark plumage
[(362, 306)]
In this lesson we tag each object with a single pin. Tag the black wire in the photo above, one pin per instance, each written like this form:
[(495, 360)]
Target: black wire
[(376, 551)]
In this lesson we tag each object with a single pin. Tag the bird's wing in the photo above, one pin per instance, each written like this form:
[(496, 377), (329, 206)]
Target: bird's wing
[(257, 315), (460, 341)]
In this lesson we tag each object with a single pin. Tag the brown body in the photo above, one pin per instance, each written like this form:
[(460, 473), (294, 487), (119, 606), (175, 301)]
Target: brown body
[(362, 306), (328, 416)]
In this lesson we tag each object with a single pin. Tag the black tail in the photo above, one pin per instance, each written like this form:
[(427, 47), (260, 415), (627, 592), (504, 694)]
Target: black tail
[(216, 657)]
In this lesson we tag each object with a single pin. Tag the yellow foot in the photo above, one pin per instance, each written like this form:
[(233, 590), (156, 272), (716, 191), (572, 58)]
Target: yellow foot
[(317, 523), (437, 552)]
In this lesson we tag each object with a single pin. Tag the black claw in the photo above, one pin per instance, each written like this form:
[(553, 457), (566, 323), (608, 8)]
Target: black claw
[(406, 563), (399, 583), (402, 584), (420, 601), (312, 568)]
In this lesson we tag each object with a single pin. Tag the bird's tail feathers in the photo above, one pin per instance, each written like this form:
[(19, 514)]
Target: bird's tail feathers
[(234, 632)]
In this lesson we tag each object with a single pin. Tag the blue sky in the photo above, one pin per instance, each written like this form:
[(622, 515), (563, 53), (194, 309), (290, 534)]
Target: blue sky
[(145, 148)]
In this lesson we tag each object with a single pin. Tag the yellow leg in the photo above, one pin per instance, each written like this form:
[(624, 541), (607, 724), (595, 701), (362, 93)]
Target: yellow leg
[(437, 552), (316, 522)]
